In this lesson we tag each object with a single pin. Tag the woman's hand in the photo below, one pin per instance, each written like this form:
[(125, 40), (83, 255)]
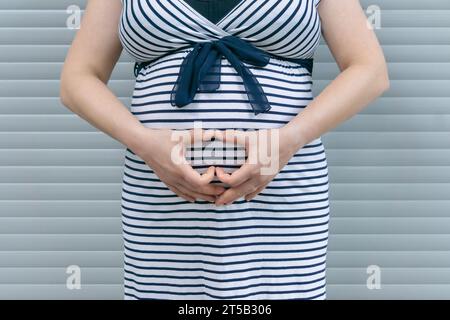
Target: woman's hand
[(164, 151), (268, 151)]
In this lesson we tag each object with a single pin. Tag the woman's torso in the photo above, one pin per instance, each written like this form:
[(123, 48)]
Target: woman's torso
[(174, 249), (150, 30)]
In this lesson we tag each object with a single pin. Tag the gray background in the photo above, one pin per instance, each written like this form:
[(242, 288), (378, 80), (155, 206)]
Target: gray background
[(389, 165)]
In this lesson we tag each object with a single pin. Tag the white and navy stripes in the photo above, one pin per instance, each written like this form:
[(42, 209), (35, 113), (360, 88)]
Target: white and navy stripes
[(288, 28), (273, 247)]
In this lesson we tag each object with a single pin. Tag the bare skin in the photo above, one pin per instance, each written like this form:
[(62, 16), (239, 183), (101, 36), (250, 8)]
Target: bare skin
[(95, 52)]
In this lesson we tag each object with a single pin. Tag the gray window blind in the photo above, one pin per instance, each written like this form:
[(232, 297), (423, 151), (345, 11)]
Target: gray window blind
[(389, 166)]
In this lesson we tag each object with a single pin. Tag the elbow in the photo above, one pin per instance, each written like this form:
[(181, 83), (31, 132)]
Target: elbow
[(64, 90), (382, 81), (63, 96), (69, 87), (385, 83)]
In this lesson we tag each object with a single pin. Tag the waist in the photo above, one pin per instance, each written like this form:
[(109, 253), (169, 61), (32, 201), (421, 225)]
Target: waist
[(308, 63)]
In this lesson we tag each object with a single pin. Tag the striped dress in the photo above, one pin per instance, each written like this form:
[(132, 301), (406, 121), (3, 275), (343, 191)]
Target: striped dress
[(272, 247)]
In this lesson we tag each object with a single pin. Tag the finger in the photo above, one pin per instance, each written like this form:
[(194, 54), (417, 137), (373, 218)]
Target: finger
[(254, 194), (195, 194), (193, 179), (208, 176), (241, 175), (234, 194), (179, 193), (211, 189), (208, 189), (201, 183)]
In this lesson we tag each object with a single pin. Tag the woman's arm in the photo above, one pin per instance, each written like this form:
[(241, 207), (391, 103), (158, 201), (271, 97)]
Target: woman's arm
[(363, 77), (87, 69)]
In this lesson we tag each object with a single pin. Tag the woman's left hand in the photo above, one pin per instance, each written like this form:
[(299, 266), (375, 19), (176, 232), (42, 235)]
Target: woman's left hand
[(267, 150)]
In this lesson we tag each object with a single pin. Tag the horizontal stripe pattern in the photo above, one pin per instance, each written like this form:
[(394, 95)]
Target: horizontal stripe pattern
[(272, 247)]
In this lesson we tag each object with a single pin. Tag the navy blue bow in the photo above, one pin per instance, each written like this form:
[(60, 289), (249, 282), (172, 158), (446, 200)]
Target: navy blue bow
[(201, 69)]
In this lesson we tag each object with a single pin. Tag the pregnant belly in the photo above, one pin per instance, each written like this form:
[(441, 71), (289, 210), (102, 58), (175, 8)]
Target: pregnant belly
[(286, 85)]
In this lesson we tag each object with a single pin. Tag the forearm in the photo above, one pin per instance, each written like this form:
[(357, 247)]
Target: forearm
[(344, 97), (90, 98)]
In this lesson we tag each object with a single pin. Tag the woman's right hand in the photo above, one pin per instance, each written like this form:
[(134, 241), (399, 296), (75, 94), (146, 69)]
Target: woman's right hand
[(164, 150)]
